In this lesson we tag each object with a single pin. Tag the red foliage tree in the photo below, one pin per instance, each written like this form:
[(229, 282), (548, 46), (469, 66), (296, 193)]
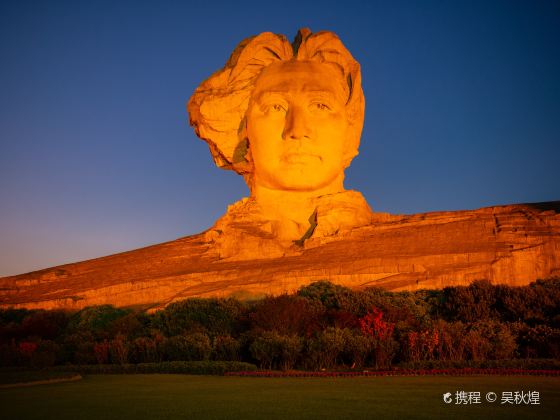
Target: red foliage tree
[(101, 351), (381, 334)]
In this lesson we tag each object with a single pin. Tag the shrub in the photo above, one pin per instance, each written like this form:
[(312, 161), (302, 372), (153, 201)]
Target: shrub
[(148, 349), (331, 296), (421, 345), (324, 350), (469, 303), (286, 314), (290, 351), (96, 319), (118, 348), (101, 351), (501, 339), (44, 324), (213, 316), (46, 354), (357, 348), (273, 350), (25, 351), (265, 349), (539, 341), (451, 344), (78, 348), (194, 346), (127, 325), (529, 364), (380, 333), (477, 346), (9, 354), (225, 347)]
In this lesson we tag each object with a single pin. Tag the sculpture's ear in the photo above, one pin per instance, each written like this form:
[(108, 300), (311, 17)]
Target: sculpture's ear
[(355, 110)]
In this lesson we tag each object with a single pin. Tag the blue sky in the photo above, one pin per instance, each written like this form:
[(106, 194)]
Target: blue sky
[(97, 156)]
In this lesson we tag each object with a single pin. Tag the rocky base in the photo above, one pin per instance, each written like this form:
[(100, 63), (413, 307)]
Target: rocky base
[(511, 245)]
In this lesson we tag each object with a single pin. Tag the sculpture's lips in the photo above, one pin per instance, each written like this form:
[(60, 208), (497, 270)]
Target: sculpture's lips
[(300, 158)]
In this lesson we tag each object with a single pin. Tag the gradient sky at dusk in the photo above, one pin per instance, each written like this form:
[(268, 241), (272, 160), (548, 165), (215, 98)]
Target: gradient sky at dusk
[(97, 156)]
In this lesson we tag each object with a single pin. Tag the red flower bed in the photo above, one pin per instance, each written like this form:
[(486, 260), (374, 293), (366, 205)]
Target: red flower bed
[(398, 372)]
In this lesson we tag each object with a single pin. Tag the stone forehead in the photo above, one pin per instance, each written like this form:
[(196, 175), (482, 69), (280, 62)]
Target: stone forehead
[(302, 75)]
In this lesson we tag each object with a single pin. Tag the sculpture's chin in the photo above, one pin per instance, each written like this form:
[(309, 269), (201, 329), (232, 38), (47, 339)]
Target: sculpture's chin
[(296, 177), (299, 185)]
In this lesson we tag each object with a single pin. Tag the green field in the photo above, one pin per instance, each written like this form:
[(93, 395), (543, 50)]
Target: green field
[(211, 397)]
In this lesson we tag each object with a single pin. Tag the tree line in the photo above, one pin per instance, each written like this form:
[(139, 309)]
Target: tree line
[(322, 326)]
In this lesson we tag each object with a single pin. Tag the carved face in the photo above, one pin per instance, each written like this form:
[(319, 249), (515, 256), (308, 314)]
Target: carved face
[(297, 126)]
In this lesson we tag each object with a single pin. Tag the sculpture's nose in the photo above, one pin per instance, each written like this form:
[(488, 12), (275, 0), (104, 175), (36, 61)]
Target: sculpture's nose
[(297, 125)]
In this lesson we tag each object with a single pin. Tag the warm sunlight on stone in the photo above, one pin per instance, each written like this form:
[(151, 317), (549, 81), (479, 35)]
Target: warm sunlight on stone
[(288, 117)]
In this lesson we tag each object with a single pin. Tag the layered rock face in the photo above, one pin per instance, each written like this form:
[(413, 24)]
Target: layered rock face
[(511, 245)]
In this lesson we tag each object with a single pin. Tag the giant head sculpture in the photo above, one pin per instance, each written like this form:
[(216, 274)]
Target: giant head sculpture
[(287, 117)]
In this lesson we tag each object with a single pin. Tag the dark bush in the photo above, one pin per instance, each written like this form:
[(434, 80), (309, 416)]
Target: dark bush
[(225, 347), (195, 346), (148, 349), (324, 350), (357, 349), (119, 348), (476, 302), (273, 350), (46, 354), (330, 295), (97, 320), (286, 314), (212, 316), (539, 341), (78, 348)]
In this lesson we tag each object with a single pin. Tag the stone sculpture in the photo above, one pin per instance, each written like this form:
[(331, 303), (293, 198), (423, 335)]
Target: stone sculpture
[(288, 118)]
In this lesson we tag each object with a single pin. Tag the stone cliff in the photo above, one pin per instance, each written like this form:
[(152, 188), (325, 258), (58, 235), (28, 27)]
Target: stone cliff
[(511, 245)]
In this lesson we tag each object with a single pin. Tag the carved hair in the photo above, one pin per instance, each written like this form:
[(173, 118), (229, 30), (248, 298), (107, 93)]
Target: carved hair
[(218, 107)]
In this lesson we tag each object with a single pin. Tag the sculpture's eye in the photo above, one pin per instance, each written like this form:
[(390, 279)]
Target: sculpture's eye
[(320, 106), (274, 107)]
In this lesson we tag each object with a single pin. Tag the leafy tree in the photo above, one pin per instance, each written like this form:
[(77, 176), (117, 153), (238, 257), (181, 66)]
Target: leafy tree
[(325, 349), (119, 349), (330, 295), (78, 348), (226, 348), (97, 319), (213, 316), (357, 348), (286, 314), (20, 324), (380, 332), (451, 340), (539, 341), (147, 349), (194, 346), (276, 350), (500, 338), (101, 351), (469, 303)]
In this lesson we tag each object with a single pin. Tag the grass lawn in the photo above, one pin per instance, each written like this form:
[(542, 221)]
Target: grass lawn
[(211, 397), (16, 376)]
